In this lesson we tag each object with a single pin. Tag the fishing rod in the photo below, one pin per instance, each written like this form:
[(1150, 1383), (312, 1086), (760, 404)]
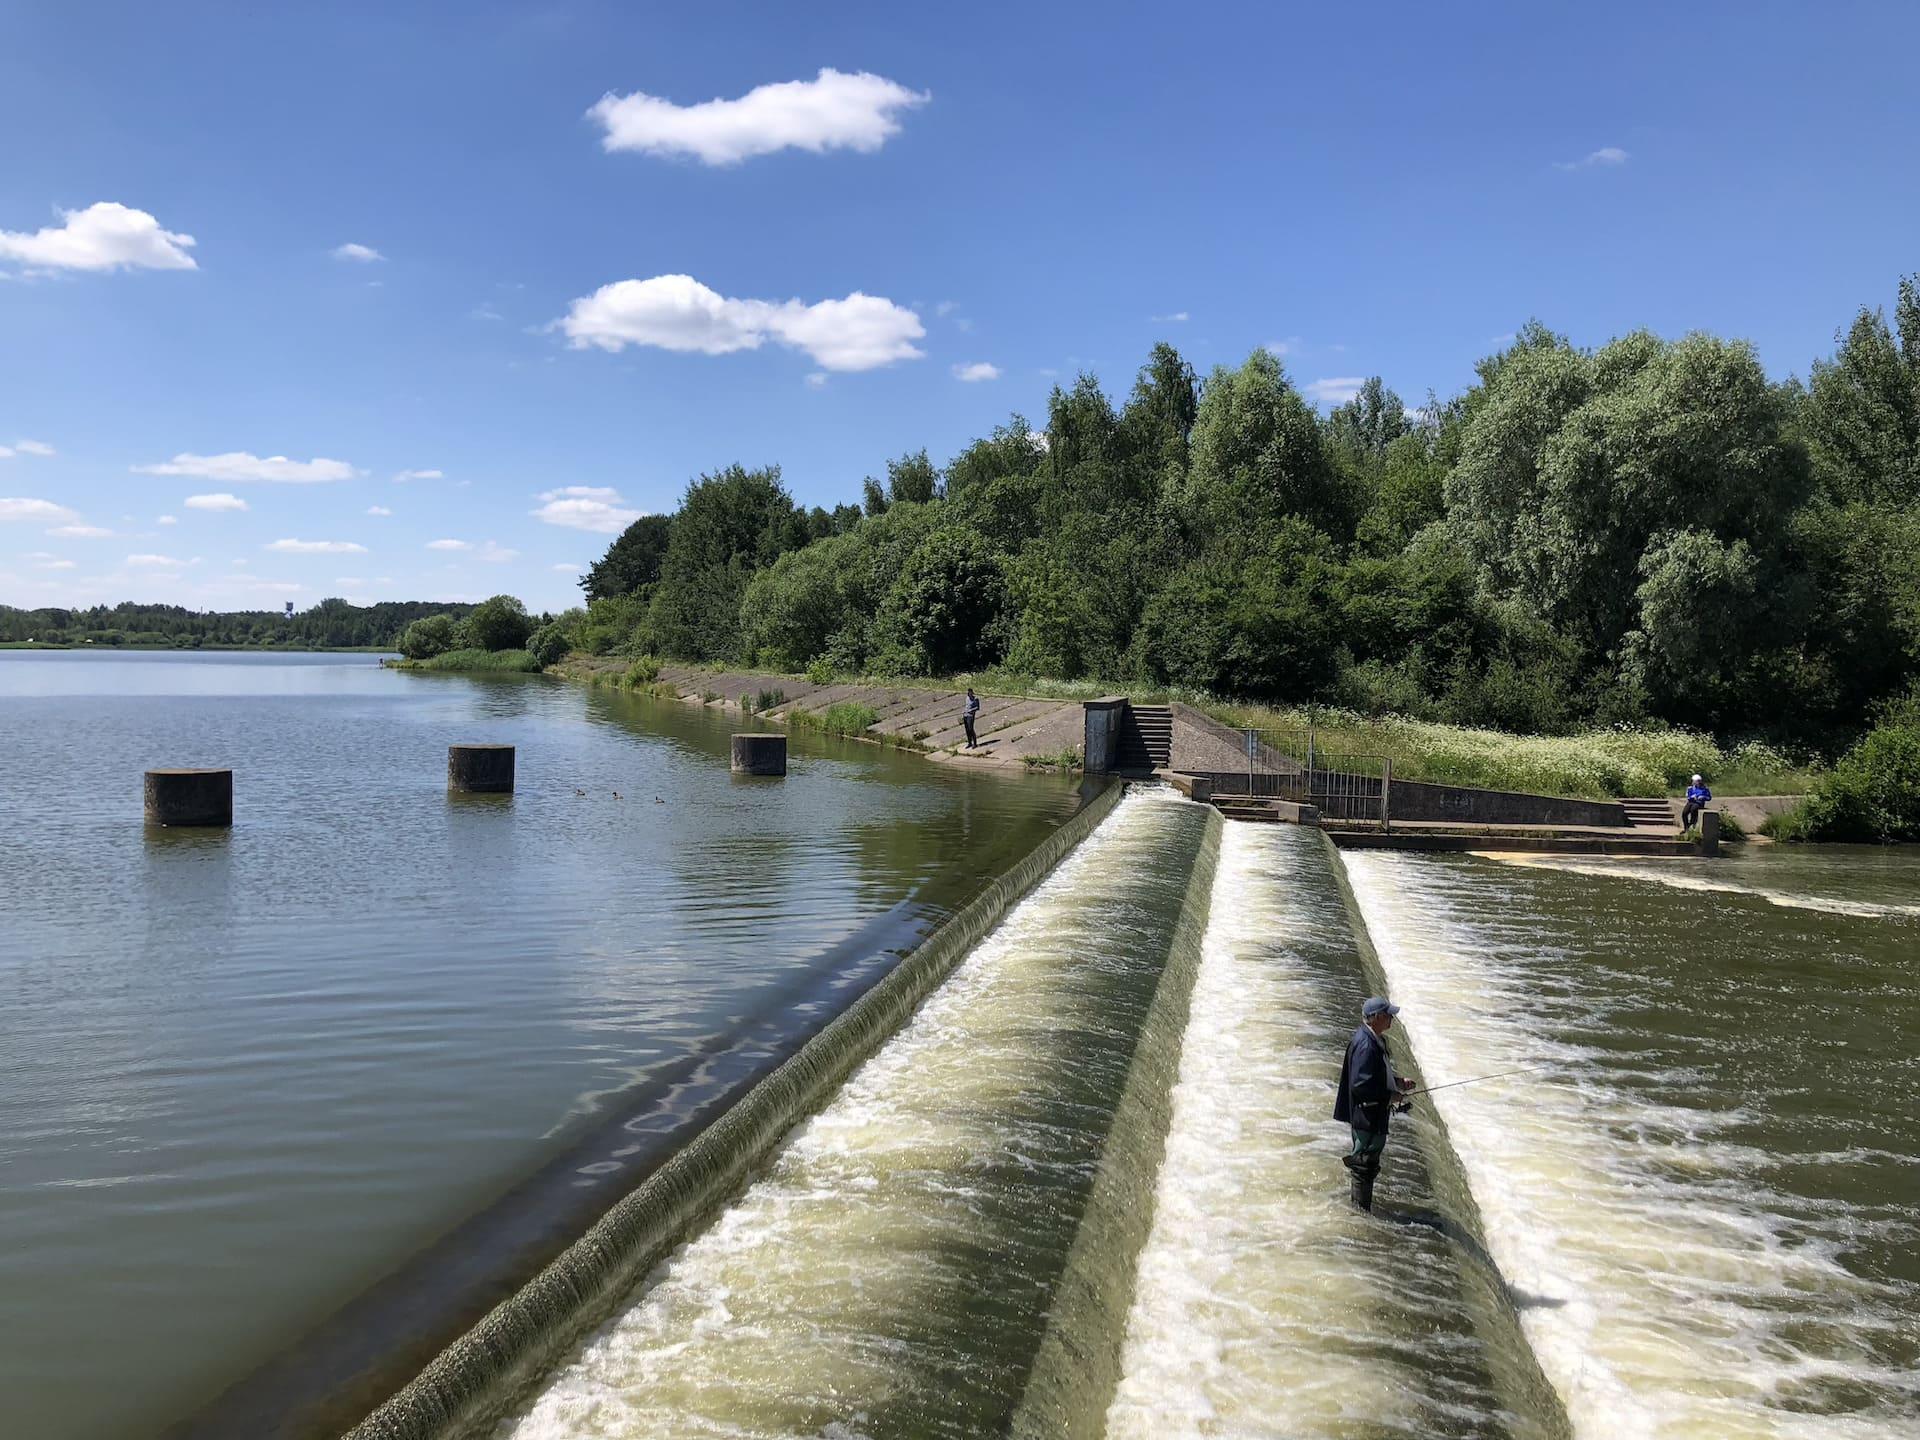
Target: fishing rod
[(1497, 1075)]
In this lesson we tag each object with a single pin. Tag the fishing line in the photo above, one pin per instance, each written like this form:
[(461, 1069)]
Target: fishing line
[(1498, 1075)]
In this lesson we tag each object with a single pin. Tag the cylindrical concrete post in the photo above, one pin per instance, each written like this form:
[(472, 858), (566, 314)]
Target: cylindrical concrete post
[(480, 769), (189, 797), (760, 754)]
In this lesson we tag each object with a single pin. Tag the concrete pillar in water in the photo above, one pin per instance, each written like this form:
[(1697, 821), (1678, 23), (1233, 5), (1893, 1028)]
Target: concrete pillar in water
[(189, 797), (1710, 832), (760, 754), (480, 769)]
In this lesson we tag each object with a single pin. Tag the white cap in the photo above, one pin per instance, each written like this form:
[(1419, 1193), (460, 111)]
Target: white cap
[(1696, 779)]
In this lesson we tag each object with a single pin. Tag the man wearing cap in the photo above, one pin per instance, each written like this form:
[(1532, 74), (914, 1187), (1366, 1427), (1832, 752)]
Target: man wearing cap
[(1368, 1089), (1697, 797)]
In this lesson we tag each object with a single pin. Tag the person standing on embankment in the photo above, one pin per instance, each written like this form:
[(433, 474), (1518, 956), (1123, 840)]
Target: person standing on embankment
[(1368, 1090), (967, 714)]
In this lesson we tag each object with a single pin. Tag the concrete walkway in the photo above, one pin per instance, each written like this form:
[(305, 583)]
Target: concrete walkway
[(1015, 732)]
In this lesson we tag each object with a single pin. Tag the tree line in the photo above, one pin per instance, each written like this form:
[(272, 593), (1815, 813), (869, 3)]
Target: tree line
[(1649, 531), (332, 624)]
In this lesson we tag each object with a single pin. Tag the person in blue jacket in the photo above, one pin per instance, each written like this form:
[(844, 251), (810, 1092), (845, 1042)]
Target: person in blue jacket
[(1697, 797), (1368, 1092)]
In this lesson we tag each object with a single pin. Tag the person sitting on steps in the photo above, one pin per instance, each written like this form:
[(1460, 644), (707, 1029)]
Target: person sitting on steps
[(1697, 797)]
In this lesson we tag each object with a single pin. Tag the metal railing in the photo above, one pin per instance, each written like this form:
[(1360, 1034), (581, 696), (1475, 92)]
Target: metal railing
[(1291, 765)]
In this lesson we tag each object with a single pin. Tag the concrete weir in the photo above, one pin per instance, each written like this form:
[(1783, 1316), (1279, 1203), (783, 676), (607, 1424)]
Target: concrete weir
[(480, 769), (444, 1346), (189, 797)]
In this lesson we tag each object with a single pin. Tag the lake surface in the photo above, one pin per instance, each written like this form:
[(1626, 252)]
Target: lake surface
[(243, 1075)]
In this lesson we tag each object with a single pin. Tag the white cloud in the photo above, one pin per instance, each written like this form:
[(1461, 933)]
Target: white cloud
[(21, 508), (834, 111), (164, 562), (5, 453), (946, 308), (1282, 348), (484, 312), (378, 510), (597, 508), (1605, 155), (565, 567), (104, 236), (81, 532), (1178, 317), (41, 560), (32, 447), (237, 465), (816, 379), (360, 254), (1336, 391), (316, 547), (978, 370), (214, 502), (677, 312), (448, 545), (496, 554), (166, 520), (405, 475)]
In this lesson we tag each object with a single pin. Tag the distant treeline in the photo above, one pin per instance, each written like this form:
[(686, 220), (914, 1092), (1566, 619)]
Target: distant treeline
[(1650, 531), (330, 624)]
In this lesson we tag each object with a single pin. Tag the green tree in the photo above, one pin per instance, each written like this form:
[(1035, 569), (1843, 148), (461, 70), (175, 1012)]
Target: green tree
[(427, 637), (549, 646), (1862, 414), (912, 479), (1257, 457), (943, 613), (729, 525), (632, 562), (499, 623)]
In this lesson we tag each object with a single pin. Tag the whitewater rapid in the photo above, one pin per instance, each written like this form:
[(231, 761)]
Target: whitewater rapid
[(892, 1270), (1668, 1288), (1265, 1304)]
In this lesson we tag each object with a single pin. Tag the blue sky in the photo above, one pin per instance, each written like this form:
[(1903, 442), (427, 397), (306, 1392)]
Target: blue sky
[(1030, 189)]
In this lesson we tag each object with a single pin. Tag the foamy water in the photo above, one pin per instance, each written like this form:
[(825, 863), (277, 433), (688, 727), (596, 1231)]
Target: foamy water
[(1656, 873), (1668, 1281), (1266, 1304), (888, 1275)]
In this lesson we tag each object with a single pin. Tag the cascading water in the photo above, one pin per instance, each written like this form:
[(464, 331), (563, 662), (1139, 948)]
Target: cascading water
[(1706, 1205), (1266, 1305), (906, 1262)]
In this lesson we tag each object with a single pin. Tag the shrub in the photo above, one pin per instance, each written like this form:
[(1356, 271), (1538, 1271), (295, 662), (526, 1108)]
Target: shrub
[(499, 623), (820, 672), (471, 658), (767, 700), (1873, 793), (427, 637), (848, 717), (643, 671), (707, 697), (548, 646)]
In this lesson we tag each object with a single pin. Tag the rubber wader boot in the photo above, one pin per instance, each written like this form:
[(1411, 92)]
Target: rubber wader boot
[(1363, 1177)]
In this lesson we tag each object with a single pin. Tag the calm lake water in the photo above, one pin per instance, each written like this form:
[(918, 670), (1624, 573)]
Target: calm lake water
[(244, 1075)]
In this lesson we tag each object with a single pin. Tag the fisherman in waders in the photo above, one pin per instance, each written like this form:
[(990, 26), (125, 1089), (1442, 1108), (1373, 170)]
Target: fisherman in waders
[(1368, 1092)]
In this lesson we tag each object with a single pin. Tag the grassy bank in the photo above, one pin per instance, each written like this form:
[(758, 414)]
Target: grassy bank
[(470, 661), (1598, 764)]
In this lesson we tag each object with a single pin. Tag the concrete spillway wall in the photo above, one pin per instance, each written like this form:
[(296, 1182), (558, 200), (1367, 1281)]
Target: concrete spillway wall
[(473, 1381)]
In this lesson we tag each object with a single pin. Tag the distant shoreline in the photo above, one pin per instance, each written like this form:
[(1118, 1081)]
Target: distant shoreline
[(189, 649)]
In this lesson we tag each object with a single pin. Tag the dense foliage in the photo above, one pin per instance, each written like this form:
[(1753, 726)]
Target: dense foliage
[(332, 624), (1650, 531)]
